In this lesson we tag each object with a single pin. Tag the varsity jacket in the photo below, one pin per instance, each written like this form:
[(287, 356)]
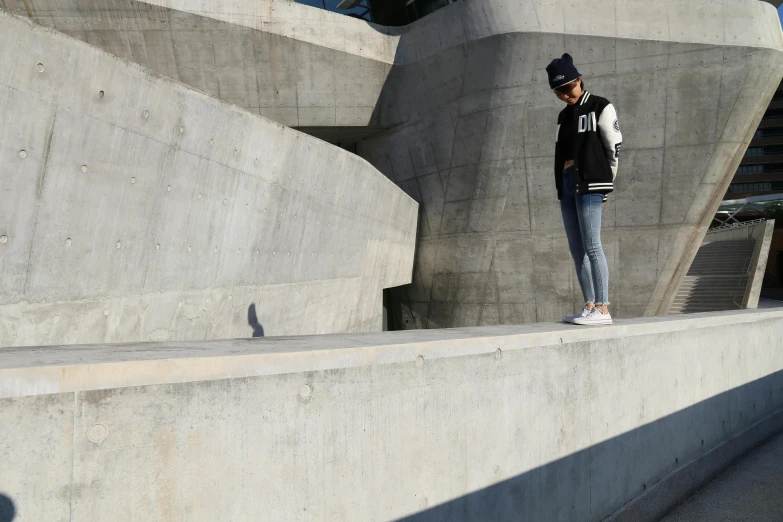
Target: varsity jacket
[(597, 141)]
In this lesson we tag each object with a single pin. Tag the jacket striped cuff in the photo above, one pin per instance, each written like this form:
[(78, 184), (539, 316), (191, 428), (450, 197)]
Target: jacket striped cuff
[(600, 186)]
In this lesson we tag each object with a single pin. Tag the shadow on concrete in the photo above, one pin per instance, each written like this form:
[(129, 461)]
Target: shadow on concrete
[(593, 483), (7, 509), (252, 320)]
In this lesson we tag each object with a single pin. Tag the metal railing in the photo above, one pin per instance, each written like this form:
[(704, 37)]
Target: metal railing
[(730, 226)]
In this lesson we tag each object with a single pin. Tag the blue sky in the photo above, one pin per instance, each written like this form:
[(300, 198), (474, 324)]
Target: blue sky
[(330, 4)]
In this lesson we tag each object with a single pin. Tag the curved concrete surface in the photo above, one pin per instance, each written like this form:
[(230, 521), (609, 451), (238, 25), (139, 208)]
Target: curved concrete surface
[(690, 80), (505, 423), (297, 65), (465, 94), (139, 209)]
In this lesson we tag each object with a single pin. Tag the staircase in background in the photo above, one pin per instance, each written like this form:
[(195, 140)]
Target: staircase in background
[(722, 271), (717, 279)]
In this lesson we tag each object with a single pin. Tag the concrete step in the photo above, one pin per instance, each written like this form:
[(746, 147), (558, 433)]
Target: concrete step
[(706, 307)]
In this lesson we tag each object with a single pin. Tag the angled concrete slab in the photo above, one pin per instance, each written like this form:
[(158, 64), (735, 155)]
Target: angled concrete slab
[(465, 116), (146, 210)]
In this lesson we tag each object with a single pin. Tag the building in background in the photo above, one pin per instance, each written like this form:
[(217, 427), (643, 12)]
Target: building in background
[(761, 170), (757, 189)]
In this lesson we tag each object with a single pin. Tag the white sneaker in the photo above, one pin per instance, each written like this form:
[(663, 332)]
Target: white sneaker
[(570, 318), (595, 317)]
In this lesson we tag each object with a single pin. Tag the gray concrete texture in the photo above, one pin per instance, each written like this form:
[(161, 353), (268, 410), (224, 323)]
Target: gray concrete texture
[(267, 63), (140, 209), (530, 422), (477, 148), (472, 141), (762, 234)]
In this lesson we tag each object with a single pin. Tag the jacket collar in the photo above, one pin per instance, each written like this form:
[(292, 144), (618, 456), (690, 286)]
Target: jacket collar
[(582, 99)]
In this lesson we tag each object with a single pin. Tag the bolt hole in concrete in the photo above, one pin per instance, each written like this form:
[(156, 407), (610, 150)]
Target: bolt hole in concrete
[(100, 94), (97, 433), (3, 239), (23, 154), (305, 390), (40, 68)]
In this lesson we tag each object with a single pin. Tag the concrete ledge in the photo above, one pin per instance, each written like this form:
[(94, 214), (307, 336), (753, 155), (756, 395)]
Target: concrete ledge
[(28, 371), (539, 422)]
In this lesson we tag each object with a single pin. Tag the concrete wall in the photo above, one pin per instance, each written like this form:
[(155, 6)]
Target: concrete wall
[(543, 422), (255, 55), (465, 92), (139, 209), (477, 148), (762, 234)]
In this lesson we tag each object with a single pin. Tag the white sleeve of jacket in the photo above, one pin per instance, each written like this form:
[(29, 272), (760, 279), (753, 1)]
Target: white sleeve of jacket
[(612, 139)]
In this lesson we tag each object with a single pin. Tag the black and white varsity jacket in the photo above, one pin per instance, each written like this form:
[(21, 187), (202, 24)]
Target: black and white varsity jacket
[(597, 141)]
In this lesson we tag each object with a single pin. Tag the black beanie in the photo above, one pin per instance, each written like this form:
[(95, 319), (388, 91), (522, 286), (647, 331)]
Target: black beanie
[(561, 71)]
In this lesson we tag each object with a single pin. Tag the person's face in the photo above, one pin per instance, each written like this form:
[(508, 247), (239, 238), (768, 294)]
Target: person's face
[(570, 92)]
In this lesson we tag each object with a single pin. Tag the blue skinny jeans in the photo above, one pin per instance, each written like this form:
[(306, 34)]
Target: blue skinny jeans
[(582, 221)]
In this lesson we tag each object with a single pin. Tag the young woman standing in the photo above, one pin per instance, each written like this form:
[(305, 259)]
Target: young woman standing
[(587, 148)]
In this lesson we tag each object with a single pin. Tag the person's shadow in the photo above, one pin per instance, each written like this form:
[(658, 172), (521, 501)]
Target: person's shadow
[(7, 509), (252, 320)]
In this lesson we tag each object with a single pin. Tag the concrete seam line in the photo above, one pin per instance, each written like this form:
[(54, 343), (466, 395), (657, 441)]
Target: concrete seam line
[(679, 485)]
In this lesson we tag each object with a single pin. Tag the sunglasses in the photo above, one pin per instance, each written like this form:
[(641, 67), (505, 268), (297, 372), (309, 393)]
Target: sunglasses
[(567, 88)]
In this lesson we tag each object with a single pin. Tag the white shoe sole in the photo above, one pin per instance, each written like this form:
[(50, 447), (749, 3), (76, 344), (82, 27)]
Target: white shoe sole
[(602, 322)]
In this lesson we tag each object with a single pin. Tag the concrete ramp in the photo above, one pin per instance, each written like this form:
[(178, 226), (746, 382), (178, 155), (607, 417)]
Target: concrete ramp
[(137, 208), (540, 422)]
